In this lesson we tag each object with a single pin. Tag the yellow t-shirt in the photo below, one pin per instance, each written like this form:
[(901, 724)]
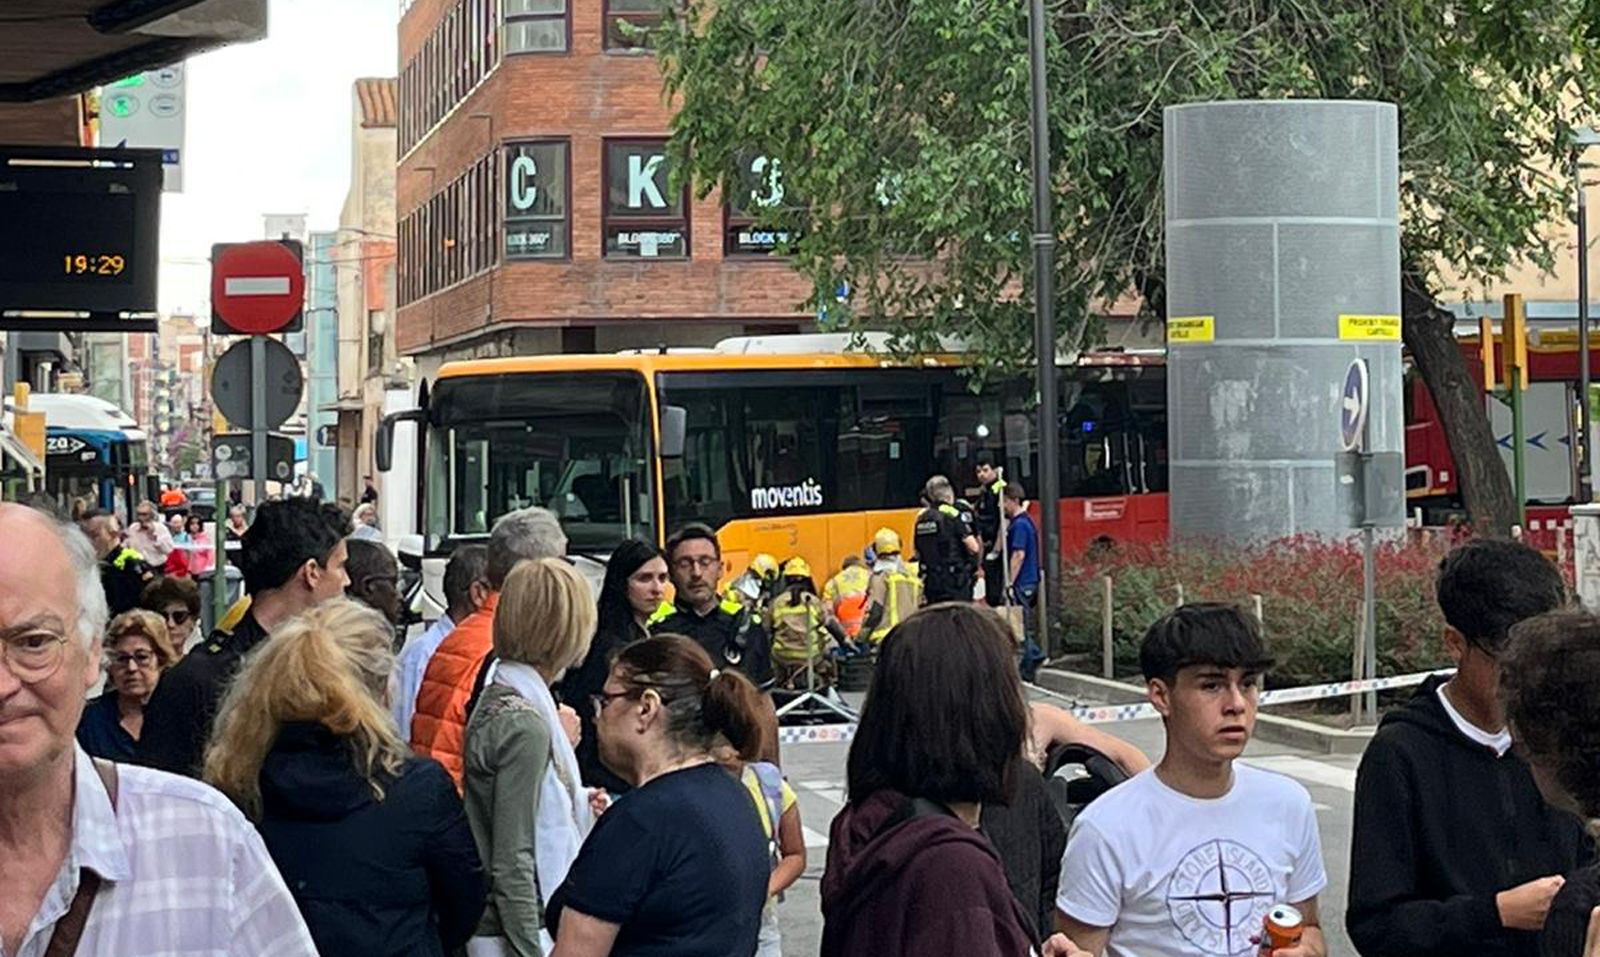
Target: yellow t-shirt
[(753, 785)]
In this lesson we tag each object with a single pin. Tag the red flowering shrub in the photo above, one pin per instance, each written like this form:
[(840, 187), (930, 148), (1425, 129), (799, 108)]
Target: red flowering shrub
[(1310, 591)]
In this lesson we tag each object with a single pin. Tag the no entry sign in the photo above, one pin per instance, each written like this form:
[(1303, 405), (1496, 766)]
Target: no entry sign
[(257, 288)]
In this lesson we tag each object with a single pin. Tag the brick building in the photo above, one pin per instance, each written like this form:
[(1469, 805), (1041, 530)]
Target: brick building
[(532, 202)]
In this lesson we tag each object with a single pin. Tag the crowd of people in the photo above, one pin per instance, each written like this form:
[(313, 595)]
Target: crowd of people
[(541, 772)]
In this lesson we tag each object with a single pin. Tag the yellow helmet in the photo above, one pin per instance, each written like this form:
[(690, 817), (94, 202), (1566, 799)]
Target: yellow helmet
[(886, 542), (764, 566), (796, 568)]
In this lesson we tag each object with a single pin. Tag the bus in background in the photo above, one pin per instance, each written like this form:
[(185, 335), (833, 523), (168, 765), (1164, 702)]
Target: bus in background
[(787, 444), (1549, 460), (95, 453)]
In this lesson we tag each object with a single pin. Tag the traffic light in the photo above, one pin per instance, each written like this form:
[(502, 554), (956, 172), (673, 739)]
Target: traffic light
[(1486, 352), (1514, 350)]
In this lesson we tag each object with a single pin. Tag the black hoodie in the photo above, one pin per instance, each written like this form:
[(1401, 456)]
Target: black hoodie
[(1442, 825), (394, 877)]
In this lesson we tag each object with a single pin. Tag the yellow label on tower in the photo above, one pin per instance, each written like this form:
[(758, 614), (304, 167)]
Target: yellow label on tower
[(1192, 329), (1370, 328)]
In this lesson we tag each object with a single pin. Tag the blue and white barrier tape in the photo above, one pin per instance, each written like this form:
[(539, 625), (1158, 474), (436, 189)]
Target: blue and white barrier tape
[(1107, 714)]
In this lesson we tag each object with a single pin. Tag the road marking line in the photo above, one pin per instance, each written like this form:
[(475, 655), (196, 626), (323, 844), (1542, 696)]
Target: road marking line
[(814, 839), (1307, 771)]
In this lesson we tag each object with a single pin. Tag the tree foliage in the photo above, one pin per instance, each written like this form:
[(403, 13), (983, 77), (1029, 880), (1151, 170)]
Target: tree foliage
[(903, 133)]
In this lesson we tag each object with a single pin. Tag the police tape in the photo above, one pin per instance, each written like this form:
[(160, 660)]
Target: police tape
[(1108, 714)]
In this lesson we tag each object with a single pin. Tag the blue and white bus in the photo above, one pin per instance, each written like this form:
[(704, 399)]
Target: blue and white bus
[(95, 453)]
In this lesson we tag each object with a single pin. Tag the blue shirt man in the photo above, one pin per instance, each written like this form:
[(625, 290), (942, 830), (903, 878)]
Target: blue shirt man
[(1022, 551)]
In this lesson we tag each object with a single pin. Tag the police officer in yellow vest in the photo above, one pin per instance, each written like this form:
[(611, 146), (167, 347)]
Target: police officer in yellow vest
[(987, 514), (893, 592), (801, 628), (947, 547)]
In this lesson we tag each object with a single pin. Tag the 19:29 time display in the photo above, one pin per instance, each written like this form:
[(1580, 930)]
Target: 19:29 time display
[(93, 264)]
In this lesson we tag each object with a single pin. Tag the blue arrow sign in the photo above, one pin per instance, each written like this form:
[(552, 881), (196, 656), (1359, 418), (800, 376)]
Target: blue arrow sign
[(1353, 406)]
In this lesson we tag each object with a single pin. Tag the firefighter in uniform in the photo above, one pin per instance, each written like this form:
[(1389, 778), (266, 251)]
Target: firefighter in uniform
[(893, 592), (802, 630), (845, 595), (986, 518), (947, 548)]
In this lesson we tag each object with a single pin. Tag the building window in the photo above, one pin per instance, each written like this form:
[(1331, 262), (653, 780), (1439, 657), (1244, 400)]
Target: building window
[(536, 26), (450, 237), (451, 61), (628, 23), (757, 191), (643, 218), (537, 200)]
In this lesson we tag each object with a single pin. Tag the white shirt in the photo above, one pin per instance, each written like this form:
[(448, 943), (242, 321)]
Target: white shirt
[(1177, 876), (153, 545), (410, 665), (1499, 741), (181, 870)]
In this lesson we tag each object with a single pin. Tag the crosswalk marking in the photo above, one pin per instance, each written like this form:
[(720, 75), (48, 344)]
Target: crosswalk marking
[(1307, 771), (814, 839)]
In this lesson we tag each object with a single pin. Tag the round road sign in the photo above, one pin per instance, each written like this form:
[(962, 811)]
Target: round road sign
[(256, 288), (1353, 407), (230, 384)]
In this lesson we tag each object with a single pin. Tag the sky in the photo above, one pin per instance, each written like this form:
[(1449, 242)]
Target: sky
[(269, 131)]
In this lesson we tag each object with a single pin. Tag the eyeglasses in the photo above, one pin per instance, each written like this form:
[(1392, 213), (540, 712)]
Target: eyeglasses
[(33, 656), (689, 564), (603, 698), (138, 659), (144, 516), (178, 616)]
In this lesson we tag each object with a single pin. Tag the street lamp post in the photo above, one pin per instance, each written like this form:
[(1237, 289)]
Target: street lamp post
[(1583, 139), (1044, 333)]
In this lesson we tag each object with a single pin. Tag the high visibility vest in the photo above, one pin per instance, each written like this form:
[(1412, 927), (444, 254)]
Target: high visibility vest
[(846, 594), (797, 624), (901, 589)]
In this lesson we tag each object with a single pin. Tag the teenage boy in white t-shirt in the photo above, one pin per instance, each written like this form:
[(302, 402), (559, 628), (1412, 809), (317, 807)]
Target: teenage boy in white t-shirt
[(1185, 859)]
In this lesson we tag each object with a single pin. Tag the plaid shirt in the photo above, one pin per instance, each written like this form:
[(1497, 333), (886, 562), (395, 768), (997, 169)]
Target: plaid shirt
[(182, 872)]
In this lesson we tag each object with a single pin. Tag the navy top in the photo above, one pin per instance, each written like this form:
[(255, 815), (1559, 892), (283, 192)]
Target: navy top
[(1022, 537), (101, 733), (681, 864)]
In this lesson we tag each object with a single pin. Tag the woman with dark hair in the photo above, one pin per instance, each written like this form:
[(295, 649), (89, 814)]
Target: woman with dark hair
[(634, 588), (679, 867), (1550, 687), (941, 735)]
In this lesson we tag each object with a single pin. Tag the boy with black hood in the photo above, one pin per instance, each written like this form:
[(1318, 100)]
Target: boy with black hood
[(1453, 851)]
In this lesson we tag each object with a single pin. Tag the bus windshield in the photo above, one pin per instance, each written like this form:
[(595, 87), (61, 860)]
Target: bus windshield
[(575, 443)]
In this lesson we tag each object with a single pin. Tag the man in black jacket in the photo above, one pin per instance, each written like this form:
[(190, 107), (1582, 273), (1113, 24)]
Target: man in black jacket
[(294, 556), (723, 628), (1453, 851)]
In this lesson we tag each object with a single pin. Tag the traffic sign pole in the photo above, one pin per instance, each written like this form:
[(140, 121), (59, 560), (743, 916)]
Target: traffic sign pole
[(258, 415), (1369, 591)]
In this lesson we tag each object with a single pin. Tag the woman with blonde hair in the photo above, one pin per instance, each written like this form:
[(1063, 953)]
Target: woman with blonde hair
[(138, 648), (525, 798), (370, 838)]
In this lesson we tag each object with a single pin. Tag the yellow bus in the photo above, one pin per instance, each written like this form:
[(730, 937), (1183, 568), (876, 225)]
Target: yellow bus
[(790, 445)]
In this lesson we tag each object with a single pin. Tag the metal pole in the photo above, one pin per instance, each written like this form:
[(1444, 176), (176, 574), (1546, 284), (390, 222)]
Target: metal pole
[(1044, 333), (258, 415), (1369, 608), (1585, 478), (1519, 470)]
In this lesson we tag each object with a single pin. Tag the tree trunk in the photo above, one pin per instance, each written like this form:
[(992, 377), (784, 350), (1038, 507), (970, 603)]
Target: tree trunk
[(1429, 333)]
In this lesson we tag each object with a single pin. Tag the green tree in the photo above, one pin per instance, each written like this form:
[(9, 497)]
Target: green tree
[(901, 129)]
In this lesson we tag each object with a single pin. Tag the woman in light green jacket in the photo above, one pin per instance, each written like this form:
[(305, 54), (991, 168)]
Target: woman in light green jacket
[(525, 800)]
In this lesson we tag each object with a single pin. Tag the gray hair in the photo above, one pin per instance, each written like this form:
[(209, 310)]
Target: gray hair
[(91, 596), (939, 490), (527, 533)]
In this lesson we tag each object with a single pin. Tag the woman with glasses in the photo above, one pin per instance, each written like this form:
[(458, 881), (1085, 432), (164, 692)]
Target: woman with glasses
[(679, 867), (525, 798), (177, 601), (137, 651)]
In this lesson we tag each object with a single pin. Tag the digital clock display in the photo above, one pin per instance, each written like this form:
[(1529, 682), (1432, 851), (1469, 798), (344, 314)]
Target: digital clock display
[(80, 234)]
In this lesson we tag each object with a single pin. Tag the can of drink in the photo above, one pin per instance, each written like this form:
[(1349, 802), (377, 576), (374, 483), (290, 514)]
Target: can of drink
[(1282, 929)]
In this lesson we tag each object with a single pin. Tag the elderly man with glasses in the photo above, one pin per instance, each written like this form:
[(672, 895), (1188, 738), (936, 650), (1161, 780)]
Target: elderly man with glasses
[(103, 858)]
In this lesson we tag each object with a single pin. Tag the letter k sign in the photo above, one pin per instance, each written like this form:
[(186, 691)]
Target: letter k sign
[(642, 181)]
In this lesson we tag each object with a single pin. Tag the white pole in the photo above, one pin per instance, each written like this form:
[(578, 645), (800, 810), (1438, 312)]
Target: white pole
[(1107, 658)]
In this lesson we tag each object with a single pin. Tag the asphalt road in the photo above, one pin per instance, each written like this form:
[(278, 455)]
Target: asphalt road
[(817, 772)]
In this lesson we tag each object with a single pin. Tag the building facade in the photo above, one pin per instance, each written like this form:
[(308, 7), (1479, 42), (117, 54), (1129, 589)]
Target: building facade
[(362, 254), (534, 207)]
